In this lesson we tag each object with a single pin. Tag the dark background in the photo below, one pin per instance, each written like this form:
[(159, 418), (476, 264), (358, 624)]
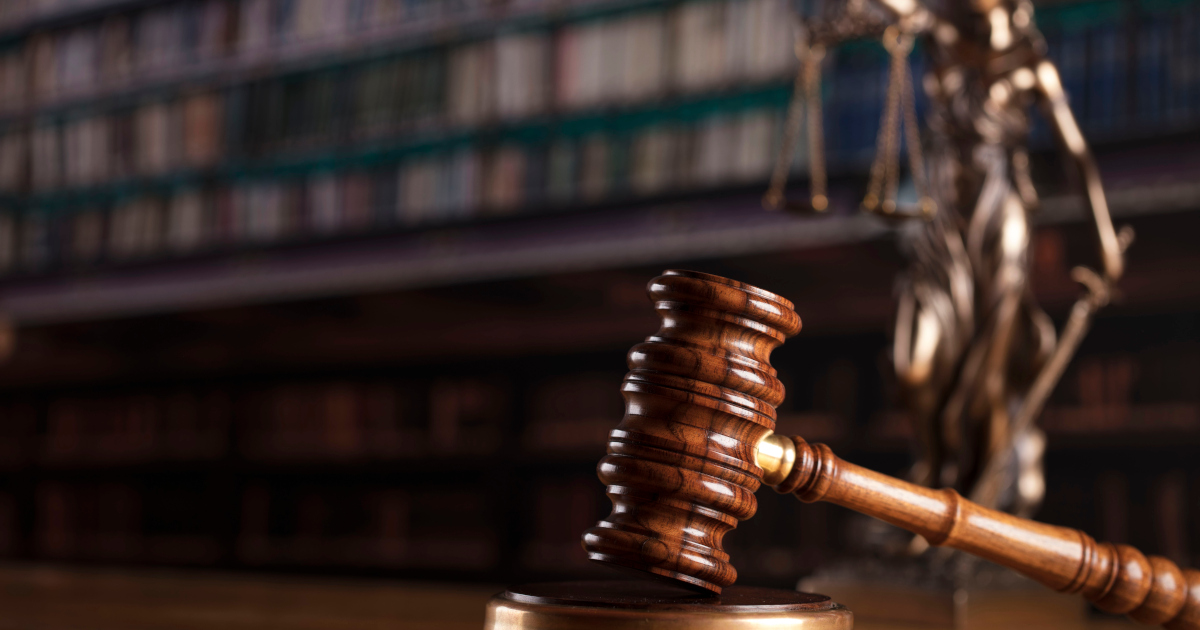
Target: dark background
[(346, 287)]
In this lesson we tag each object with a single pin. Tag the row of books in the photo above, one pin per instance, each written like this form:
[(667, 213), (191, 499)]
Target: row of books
[(424, 189), (1121, 69), (564, 415), (562, 509), (175, 426), (328, 421), (509, 76), (622, 60), (573, 414), (108, 521), (446, 528), (1150, 509), (490, 77), (349, 420), (1126, 393), (287, 523), (1155, 375), (373, 104), (159, 40), (201, 130), (698, 45), (442, 528), (153, 139), (340, 420), (568, 417)]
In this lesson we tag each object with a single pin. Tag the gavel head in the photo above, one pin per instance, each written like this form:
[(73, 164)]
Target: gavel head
[(682, 467)]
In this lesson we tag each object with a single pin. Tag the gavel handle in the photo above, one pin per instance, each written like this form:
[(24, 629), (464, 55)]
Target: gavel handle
[(1116, 578)]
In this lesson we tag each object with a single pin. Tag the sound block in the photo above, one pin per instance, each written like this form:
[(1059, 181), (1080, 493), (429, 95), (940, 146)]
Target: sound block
[(644, 605)]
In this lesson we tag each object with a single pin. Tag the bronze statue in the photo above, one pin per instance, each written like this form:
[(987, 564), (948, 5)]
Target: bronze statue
[(974, 354)]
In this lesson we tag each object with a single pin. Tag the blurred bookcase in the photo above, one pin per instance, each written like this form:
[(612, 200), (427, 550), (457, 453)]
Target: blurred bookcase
[(264, 255), (140, 132)]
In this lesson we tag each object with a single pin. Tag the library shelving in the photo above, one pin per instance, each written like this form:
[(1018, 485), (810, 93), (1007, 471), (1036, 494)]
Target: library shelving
[(535, 109), (345, 286)]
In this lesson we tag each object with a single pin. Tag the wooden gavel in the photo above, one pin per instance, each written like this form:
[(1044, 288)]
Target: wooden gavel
[(697, 441)]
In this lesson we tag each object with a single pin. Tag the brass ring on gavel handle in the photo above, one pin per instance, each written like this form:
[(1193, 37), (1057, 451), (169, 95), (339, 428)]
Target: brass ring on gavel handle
[(646, 605)]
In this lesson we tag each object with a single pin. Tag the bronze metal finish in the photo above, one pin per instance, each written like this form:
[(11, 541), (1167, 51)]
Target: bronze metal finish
[(975, 355), (637, 605)]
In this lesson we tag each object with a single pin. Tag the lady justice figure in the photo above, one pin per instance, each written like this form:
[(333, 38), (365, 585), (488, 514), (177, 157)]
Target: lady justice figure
[(974, 354)]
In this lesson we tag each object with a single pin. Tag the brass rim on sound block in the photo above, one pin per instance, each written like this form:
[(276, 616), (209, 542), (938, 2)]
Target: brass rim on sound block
[(626, 605)]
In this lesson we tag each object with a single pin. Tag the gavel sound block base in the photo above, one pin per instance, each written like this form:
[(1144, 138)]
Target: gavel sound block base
[(643, 605)]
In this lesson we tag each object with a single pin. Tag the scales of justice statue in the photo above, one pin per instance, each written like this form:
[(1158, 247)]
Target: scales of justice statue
[(975, 355)]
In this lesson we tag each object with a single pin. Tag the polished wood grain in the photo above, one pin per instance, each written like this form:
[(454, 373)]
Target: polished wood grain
[(1116, 578), (681, 468), (697, 441)]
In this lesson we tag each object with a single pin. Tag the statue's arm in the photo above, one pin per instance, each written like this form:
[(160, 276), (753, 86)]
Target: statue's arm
[(1049, 88)]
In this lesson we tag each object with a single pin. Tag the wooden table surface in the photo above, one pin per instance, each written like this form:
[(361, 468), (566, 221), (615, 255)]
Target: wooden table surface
[(49, 598), (40, 597)]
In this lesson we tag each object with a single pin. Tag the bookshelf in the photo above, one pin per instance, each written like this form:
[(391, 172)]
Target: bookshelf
[(160, 131), (303, 459), (725, 223), (332, 250)]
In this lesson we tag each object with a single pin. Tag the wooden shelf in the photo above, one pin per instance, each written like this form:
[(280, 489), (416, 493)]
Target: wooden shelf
[(616, 237), (1144, 179), (560, 243)]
